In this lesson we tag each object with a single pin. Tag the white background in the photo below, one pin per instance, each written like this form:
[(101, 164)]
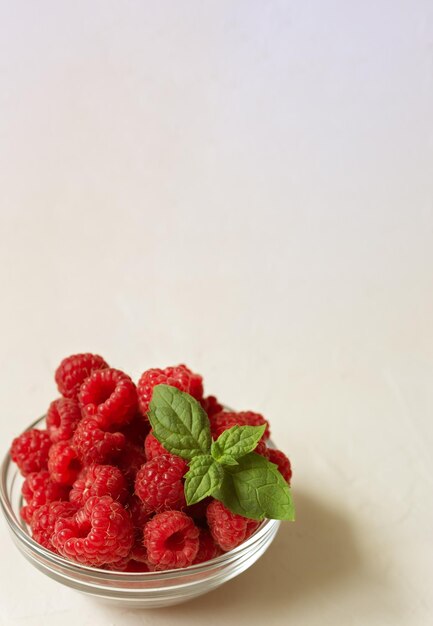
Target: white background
[(246, 187)]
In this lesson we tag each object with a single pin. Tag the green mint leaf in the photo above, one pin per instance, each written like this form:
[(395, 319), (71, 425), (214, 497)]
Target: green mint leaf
[(236, 442), (204, 476), (227, 459), (179, 422), (255, 489)]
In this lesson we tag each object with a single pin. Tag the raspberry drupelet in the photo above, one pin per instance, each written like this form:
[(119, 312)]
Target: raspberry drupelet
[(73, 370), (171, 539)]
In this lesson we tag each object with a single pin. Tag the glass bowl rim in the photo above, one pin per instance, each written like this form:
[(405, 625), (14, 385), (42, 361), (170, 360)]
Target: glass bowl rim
[(18, 528)]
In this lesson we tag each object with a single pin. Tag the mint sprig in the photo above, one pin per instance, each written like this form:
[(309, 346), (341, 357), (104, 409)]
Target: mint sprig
[(226, 469)]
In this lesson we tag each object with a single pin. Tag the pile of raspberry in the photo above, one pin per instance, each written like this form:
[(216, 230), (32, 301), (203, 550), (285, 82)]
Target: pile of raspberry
[(101, 490)]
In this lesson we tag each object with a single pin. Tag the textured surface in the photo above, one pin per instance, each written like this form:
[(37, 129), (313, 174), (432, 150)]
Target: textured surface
[(244, 187)]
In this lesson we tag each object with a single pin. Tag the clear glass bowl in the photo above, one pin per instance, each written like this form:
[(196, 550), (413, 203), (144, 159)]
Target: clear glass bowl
[(140, 590)]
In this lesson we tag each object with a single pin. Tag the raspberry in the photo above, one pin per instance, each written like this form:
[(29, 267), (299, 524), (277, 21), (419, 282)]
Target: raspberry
[(129, 461), (159, 483), (73, 370), (211, 405), (171, 539), (252, 526), (152, 447), (262, 449), (228, 529), (180, 377), (137, 430), (99, 480), (63, 463), (207, 549), (136, 561), (99, 533), (198, 511), (283, 463), (139, 515), (30, 451), (63, 416), (135, 566), (39, 489), (109, 396), (139, 552), (227, 419), (94, 445), (118, 566), (45, 518)]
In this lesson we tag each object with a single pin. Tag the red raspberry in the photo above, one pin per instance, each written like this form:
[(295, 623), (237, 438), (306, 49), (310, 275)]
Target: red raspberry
[(252, 526), (94, 445), (159, 483), (262, 449), (139, 515), (63, 416), (184, 375), (39, 489), (171, 539), (137, 430), (139, 552), (180, 377), (99, 480), (283, 463), (136, 567), (129, 461), (30, 451), (211, 405), (207, 549), (118, 566), (228, 529), (73, 370), (227, 419), (63, 463), (136, 561), (109, 396), (198, 511), (152, 447), (45, 518), (99, 533)]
